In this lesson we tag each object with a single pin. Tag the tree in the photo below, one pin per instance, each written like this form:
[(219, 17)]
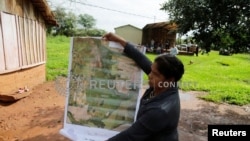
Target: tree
[(87, 21), (59, 13), (69, 26), (67, 22), (222, 23)]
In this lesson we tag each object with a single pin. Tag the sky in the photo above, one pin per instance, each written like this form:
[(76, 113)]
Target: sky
[(110, 14)]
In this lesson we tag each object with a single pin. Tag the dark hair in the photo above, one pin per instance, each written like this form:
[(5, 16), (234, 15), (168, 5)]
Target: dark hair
[(170, 66)]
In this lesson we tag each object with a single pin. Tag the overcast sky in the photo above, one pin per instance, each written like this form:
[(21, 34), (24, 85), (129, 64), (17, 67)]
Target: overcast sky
[(110, 14)]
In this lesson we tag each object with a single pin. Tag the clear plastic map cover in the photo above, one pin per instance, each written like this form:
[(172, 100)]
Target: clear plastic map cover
[(103, 90)]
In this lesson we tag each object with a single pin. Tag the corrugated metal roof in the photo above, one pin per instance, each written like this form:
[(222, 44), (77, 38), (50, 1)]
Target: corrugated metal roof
[(44, 9), (165, 25)]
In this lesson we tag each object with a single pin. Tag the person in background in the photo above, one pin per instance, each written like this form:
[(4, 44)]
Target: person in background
[(174, 50), (189, 45), (158, 50), (152, 43), (159, 110), (167, 44), (197, 50)]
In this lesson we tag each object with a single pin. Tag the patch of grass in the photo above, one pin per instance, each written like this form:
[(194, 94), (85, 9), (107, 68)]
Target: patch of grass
[(57, 56), (225, 78)]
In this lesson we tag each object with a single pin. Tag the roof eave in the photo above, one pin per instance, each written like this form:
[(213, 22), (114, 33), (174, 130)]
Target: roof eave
[(44, 9)]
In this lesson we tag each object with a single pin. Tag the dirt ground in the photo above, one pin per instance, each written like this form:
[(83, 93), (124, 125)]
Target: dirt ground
[(39, 117)]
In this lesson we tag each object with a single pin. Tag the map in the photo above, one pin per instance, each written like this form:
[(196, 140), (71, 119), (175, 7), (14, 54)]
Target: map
[(103, 89)]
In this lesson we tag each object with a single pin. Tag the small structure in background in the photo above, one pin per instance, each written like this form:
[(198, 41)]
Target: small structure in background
[(130, 33), (226, 52), (163, 34), (188, 49)]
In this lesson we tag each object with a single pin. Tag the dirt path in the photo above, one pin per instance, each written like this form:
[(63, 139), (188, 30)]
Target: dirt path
[(39, 117), (196, 114)]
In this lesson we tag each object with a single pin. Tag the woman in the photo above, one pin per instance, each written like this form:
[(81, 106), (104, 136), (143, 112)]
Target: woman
[(159, 110)]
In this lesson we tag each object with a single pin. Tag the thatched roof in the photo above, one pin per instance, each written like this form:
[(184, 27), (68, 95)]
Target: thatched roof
[(162, 25), (44, 9)]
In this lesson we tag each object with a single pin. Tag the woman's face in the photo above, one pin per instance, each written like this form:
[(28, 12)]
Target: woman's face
[(155, 77)]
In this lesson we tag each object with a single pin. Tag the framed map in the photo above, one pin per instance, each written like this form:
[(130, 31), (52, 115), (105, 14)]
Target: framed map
[(102, 91)]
